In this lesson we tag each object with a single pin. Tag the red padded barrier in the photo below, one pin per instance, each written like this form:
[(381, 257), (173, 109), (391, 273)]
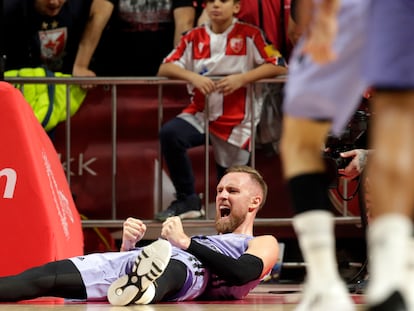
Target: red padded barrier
[(39, 222)]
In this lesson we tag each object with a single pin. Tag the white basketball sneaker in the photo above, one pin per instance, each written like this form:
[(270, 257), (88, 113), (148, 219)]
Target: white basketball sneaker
[(137, 287)]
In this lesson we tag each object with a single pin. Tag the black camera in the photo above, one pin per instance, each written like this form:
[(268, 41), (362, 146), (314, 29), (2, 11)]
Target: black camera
[(335, 155), (353, 137)]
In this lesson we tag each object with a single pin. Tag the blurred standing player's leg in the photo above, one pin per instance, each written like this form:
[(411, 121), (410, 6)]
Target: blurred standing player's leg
[(389, 68), (321, 98)]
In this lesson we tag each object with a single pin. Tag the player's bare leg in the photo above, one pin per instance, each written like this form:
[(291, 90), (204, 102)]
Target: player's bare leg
[(392, 181), (304, 169)]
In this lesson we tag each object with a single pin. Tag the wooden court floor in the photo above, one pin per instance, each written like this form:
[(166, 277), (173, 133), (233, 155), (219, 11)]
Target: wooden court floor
[(272, 297)]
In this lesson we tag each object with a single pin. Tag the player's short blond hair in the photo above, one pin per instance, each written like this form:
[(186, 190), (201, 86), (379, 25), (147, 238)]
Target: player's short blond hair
[(254, 175)]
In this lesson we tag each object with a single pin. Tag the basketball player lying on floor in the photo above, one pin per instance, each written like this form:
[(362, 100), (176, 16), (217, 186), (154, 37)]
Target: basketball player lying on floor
[(173, 268)]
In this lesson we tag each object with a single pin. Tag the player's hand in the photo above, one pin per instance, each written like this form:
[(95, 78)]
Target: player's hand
[(173, 231), (133, 231)]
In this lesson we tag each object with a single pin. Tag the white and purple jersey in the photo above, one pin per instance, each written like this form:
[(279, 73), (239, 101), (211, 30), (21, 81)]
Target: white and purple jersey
[(99, 270), (232, 245), (390, 45)]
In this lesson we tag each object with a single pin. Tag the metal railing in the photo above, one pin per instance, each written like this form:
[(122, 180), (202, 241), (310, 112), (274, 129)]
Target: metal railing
[(114, 82)]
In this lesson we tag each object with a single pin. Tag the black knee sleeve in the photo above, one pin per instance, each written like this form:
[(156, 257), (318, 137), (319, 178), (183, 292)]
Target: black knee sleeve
[(69, 283), (309, 192), (171, 281)]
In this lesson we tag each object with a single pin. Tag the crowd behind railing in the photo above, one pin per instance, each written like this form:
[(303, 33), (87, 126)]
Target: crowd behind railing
[(87, 43), (113, 83)]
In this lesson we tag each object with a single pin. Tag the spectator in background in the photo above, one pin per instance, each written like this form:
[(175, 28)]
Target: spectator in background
[(43, 32), (221, 47), (132, 37), (271, 16)]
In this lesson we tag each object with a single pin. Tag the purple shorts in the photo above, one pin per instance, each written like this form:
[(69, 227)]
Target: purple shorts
[(331, 92), (99, 270), (389, 58)]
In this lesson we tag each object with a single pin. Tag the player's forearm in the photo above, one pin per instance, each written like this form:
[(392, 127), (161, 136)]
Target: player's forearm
[(329, 7), (127, 245), (306, 9), (304, 12), (238, 271)]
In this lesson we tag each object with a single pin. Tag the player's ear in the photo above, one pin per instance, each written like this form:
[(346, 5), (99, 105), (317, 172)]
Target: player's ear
[(255, 203)]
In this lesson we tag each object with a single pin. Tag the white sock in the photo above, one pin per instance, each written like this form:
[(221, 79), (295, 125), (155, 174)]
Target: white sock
[(315, 232), (388, 238)]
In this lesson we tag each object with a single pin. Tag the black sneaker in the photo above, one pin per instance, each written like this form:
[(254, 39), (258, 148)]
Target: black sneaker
[(187, 207), (138, 286)]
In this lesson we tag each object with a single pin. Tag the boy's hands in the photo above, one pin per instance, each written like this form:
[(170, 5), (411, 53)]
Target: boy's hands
[(229, 84), (203, 84), (226, 85)]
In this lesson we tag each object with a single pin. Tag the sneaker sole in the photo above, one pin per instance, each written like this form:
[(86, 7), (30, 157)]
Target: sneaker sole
[(149, 265)]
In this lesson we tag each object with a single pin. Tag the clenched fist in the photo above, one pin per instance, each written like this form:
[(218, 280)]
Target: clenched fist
[(133, 231), (172, 230)]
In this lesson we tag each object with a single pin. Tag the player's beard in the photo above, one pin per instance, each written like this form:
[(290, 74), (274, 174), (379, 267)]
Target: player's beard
[(229, 224)]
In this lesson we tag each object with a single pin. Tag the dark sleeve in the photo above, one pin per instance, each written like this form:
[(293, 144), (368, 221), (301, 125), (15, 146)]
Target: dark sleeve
[(238, 271)]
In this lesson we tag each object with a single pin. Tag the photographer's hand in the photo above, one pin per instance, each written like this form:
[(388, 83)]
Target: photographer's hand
[(356, 166)]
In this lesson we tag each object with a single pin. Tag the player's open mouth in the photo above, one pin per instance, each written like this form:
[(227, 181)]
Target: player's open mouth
[(224, 211)]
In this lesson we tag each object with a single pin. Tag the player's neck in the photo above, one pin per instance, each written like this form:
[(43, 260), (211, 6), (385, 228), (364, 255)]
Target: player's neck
[(244, 229)]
